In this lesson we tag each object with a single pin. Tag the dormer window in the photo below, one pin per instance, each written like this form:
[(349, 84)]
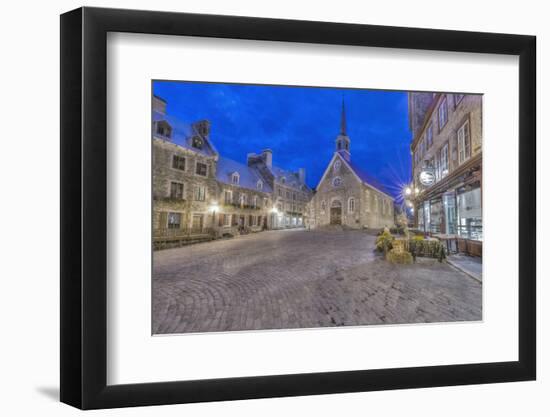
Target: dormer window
[(283, 180), (235, 177), (197, 142), (260, 185), (164, 129)]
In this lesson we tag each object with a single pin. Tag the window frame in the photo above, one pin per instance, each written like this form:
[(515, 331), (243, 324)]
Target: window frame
[(197, 163), (443, 105), (179, 157)]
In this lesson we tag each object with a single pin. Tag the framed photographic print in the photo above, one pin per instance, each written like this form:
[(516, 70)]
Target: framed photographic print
[(257, 208)]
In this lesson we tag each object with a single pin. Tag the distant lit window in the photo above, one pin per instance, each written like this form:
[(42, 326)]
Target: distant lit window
[(174, 220)]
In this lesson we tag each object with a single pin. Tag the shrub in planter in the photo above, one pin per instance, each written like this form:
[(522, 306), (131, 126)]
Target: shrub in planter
[(427, 248), (399, 257), (384, 241)]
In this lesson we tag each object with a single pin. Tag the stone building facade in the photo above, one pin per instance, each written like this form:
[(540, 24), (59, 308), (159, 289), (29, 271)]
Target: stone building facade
[(289, 192), (196, 191), (347, 195), (447, 145)]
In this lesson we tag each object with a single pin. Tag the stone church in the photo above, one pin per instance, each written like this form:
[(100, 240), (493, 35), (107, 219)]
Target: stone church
[(346, 195)]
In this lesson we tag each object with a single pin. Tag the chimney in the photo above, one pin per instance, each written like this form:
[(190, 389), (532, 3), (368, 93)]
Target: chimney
[(159, 105), (302, 175), (202, 127), (252, 158), (267, 155)]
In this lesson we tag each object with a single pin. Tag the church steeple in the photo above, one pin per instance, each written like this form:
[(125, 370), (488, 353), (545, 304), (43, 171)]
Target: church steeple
[(343, 120), (343, 141)]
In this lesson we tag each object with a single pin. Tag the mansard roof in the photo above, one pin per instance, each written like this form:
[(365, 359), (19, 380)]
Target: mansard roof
[(183, 133), (248, 177), (291, 179)]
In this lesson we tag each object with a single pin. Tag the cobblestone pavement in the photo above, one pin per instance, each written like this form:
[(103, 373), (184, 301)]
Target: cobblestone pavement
[(300, 279)]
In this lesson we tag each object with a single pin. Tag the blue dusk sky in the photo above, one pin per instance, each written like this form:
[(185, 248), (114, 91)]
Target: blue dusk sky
[(300, 125)]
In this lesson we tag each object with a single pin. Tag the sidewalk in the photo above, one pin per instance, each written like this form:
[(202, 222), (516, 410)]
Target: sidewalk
[(470, 265)]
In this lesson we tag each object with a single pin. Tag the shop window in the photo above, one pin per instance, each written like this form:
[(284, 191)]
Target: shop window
[(469, 214)]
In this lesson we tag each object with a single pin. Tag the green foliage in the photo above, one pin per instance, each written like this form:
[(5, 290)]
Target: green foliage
[(399, 257), (397, 230), (384, 241), (427, 248)]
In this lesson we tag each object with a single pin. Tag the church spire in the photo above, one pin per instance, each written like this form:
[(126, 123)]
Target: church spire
[(342, 141), (343, 120)]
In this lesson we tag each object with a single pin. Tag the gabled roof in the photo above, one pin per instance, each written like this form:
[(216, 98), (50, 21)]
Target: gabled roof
[(248, 177), (359, 173)]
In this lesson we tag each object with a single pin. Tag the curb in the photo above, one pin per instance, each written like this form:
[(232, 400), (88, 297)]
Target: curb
[(459, 268)]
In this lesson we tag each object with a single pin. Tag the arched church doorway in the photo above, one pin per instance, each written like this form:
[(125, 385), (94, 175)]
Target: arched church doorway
[(336, 212)]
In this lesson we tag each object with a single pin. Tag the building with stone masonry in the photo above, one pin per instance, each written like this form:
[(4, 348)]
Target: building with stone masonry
[(199, 194), (346, 195), (446, 150), (289, 191)]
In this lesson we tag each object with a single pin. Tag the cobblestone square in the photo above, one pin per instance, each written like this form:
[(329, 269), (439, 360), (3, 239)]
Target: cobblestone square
[(302, 279)]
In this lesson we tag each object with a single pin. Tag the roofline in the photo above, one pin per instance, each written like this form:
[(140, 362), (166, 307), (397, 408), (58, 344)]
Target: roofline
[(354, 173), (160, 98)]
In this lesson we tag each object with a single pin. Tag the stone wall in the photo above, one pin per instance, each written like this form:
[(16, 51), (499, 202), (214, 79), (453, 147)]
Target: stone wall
[(164, 174), (469, 108)]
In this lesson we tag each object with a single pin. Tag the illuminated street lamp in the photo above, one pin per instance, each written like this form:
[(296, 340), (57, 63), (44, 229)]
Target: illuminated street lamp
[(408, 191), (213, 208)]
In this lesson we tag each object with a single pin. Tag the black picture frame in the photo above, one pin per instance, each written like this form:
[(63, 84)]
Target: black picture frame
[(84, 207)]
